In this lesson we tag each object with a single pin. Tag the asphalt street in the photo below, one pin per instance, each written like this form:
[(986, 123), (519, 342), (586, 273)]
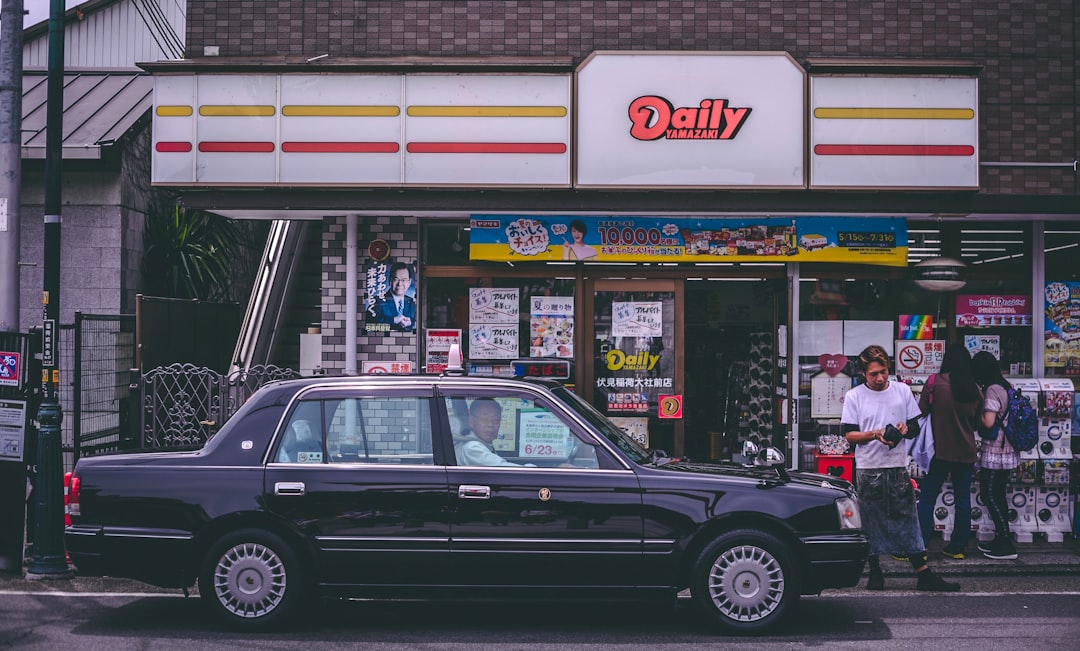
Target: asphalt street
[(993, 612)]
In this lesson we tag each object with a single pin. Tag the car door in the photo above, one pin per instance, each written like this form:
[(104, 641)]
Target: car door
[(369, 495), (541, 524)]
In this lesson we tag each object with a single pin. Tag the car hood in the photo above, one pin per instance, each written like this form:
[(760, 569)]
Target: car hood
[(755, 473)]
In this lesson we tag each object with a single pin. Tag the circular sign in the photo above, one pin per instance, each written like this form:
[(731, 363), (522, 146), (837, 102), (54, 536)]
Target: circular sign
[(670, 407), (910, 357), (378, 250)]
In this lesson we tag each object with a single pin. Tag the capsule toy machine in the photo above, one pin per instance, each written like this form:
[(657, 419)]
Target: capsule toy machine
[(982, 525), (1022, 516), (1056, 418), (945, 512)]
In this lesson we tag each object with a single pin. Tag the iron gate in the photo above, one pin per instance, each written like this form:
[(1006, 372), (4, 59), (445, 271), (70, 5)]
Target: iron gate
[(183, 405)]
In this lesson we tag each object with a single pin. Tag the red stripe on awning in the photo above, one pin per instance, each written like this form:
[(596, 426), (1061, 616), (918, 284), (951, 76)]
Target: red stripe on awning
[(341, 147), (894, 150), (173, 147), (486, 148), (236, 147)]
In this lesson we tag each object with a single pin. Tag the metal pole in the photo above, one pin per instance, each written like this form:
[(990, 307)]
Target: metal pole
[(49, 560), (11, 43)]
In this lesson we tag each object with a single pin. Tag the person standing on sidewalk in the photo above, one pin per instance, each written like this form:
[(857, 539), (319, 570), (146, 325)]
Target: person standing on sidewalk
[(886, 495), (955, 414), (997, 457)]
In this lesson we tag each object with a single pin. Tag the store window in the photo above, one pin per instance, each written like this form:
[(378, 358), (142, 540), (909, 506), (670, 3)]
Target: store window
[(1062, 318), (842, 309)]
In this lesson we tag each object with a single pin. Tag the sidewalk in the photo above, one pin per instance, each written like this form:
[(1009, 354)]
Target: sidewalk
[(1038, 557)]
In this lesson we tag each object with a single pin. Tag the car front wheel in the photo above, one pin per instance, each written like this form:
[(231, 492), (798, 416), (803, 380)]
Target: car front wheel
[(743, 581), (251, 579)]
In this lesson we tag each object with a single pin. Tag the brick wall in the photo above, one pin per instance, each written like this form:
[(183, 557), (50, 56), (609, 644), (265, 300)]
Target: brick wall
[(402, 233), (1029, 83)]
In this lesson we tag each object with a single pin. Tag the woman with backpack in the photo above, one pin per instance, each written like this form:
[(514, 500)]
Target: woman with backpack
[(997, 457), (954, 402)]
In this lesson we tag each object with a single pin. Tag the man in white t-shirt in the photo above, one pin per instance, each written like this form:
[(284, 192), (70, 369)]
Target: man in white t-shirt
[(886, 495)]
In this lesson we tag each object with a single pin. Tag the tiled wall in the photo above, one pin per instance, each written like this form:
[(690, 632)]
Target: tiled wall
[(402, 233), (1027, 47)]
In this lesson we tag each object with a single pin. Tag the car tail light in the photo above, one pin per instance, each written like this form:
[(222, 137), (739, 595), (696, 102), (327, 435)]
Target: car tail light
[(71, 497)]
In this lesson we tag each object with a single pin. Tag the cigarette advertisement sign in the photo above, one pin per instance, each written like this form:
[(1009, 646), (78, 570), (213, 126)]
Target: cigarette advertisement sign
[(541, 238)]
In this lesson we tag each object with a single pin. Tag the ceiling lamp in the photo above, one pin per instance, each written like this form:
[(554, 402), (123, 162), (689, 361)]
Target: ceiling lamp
[(940, 274)]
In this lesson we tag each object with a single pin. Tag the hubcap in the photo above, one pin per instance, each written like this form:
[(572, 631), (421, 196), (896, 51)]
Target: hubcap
[(249, 580), (746, 583)]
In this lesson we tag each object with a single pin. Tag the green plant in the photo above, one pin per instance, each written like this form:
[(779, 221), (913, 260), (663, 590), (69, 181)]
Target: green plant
[(188, 253)]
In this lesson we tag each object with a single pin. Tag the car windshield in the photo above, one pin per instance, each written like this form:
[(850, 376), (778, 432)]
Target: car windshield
[(609, 430)]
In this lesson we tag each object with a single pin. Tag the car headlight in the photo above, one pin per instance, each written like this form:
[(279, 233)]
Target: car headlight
[(848, 510)]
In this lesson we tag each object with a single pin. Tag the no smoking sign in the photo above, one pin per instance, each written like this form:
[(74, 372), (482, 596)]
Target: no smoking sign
[(919, 357)]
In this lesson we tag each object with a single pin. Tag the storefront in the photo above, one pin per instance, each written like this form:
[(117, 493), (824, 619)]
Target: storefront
[(702, 319)]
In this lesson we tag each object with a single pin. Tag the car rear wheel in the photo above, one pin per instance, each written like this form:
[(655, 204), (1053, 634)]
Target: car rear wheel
[(743, 581), (251, 579)]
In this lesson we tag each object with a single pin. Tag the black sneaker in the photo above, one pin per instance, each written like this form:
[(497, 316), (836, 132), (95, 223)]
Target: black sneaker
[(986, 545), (930, 582), (1002, 549), (876, 581)]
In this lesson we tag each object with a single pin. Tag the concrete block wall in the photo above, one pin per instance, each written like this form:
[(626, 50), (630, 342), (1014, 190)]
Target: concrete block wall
[(402, 234), (91, 242), (1027, 48)]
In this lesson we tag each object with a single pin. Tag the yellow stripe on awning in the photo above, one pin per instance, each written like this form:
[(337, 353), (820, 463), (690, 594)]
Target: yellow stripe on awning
[(236, 111), (340, 111), (174, 111), (894, 114), (487, 111)]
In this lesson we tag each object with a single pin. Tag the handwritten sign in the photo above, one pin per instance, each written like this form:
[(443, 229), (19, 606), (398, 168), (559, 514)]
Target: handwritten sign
[(493, 305), (493, 341), (634, 319)]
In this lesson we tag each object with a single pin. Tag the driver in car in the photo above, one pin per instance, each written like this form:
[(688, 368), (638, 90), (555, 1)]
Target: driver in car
[(476, 447)]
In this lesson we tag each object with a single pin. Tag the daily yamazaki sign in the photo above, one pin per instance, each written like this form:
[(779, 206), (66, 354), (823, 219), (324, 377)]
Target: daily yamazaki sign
[(690, 119), (653, 117)]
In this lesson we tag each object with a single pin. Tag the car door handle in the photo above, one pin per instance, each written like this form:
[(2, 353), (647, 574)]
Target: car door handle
[(289, 488), (466, 492)]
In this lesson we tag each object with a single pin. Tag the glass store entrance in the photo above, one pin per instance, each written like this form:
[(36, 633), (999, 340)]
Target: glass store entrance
[(711, 343)]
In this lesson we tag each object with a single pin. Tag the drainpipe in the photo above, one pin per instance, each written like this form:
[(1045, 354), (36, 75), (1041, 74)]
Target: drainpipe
[(350, 295)]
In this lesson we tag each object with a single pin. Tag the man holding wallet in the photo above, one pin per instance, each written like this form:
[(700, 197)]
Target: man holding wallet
[(876, 416)]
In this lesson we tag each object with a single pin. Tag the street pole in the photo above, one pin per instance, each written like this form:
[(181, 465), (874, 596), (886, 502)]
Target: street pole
[(49, 560), (11, 42)]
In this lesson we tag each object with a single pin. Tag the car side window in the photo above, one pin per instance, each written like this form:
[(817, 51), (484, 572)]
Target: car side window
[(303, 440), (365, 429), (513, 431), (379, 429)]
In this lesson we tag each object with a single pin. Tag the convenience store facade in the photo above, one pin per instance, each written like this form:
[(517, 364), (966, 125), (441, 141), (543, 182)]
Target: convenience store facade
[(744, 223)]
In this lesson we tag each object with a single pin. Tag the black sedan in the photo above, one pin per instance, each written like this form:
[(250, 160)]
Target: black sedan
[(456, 487)]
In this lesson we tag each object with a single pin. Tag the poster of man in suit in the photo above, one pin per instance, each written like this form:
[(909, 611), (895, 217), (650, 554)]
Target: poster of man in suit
[(390, 303)]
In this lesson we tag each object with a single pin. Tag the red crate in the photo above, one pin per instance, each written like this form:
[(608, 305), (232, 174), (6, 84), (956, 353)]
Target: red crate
[(837, 465)]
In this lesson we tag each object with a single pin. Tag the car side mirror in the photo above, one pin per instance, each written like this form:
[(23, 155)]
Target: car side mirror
[(767, 456)]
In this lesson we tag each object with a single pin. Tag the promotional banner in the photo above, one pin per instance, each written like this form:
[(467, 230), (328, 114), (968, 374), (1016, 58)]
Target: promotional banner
[(519, 238), (1062, 325), (981, 310)]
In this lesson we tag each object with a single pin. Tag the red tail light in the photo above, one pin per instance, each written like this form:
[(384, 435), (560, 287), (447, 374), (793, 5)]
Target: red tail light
[(71, 497)]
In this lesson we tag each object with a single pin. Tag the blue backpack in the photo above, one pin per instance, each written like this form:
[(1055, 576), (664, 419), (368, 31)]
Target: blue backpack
[(1021, 424)]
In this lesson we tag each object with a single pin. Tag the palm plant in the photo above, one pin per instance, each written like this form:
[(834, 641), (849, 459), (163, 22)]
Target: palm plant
[(188, 253)]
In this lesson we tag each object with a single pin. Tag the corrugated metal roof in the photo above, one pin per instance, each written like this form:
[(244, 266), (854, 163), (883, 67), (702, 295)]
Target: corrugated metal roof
[(99, 108)]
